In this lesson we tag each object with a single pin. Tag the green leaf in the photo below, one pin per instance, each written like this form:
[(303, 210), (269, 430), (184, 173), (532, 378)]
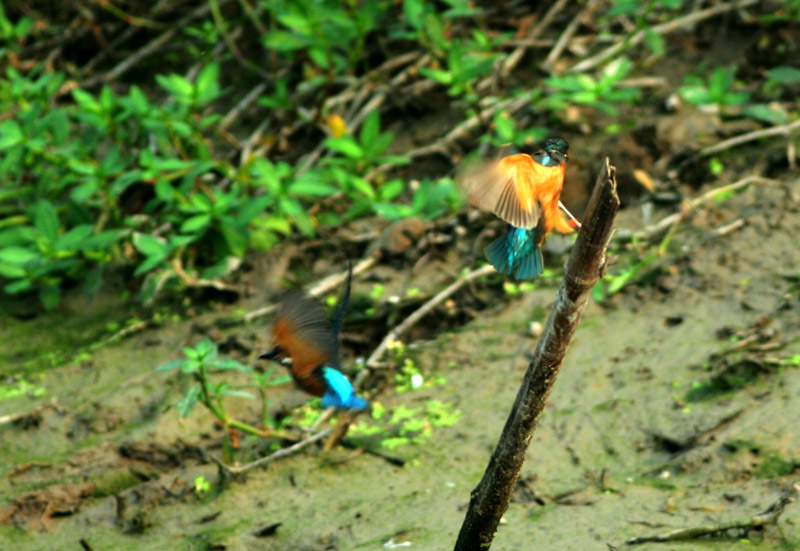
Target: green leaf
[(205, 349), (765, 113), (697, 95), (236, 238), (45, 219), (169, 366), (196, 223), (615, 71), (72, 240), (18, 256), (784, 74), (370, 129), (311, 188), (176, 85), (86, 101), (208, 84), (437, 75), (11, 271), (280, 380), (391, 189), (413, 11), (655, 42), (187, 403), (721, 81), (345, 145), (10, 134), (148, 264), (150, 246)]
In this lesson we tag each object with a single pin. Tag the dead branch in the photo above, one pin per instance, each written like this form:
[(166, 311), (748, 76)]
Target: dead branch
[(235, 470), (586, 265), (767, 517), (668, 221), (783, 130), (565, 37)]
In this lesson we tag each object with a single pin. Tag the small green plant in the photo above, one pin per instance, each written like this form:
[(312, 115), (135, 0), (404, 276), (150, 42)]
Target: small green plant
[(718, 93), (507, 132), (201, 485), (599, 93), (406, 425), (202, 362)]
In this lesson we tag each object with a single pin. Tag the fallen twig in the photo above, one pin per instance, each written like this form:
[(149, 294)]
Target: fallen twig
[(12, 417), (785, 130), (272, 457), (585, 267), (565, 37), (768, 516), (420, 313), (667, 221)]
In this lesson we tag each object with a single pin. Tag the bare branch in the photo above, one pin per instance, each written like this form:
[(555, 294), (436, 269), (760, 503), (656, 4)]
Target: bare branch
[(585, 267)]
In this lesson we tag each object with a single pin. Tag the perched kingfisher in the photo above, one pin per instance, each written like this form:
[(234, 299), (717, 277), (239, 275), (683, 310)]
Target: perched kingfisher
[(308, 344), (524, 191)]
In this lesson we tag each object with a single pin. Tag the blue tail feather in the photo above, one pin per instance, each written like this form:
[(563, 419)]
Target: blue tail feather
[(497, 253), (531, 266), (340, 393), (516, 254)]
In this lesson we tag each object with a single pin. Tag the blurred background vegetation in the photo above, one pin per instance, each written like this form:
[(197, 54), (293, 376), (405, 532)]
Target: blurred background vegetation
[(162, 143)]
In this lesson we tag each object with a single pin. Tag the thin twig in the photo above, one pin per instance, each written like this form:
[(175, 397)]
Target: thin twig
[(565, 37), (667, 221), (243, 104), (272, 457), (768, 516), (512, 60), (664, 28), (784, 130), (421, 312), (12, 417), (149, 48)]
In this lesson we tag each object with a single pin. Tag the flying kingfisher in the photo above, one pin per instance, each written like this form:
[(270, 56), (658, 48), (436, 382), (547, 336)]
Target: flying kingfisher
[(524, 191), (308, 345)]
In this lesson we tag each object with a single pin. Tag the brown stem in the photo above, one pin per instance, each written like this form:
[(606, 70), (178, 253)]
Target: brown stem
[(585, 267)]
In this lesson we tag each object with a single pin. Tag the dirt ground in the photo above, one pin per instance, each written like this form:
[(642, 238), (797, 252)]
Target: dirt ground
[(661, 418)]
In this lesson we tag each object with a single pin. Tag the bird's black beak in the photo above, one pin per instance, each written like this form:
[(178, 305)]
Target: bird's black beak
[(271, 355)]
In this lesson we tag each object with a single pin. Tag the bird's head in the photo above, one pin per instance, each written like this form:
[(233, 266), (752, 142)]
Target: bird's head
[(557, 148)]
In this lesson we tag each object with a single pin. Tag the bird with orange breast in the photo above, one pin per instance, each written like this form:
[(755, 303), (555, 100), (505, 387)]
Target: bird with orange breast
[(308, 345), (524, 191)]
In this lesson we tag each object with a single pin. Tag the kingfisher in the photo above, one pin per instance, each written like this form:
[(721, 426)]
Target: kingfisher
[(307, 343), (524, 191)]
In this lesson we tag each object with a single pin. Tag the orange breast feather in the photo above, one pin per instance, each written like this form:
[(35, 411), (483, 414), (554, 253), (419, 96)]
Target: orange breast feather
[(515, 189)]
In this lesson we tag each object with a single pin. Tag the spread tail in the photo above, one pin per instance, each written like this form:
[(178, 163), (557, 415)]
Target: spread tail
[(530, 266), (505, 262), (497, 253)]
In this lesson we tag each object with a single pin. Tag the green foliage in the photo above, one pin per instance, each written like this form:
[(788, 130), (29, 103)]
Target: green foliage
[(600, 93), (202, 363), (717, 92)]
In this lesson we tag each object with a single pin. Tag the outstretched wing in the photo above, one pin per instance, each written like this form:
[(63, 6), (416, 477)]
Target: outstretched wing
[(303, 332), (337, 319), (506, 188)]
